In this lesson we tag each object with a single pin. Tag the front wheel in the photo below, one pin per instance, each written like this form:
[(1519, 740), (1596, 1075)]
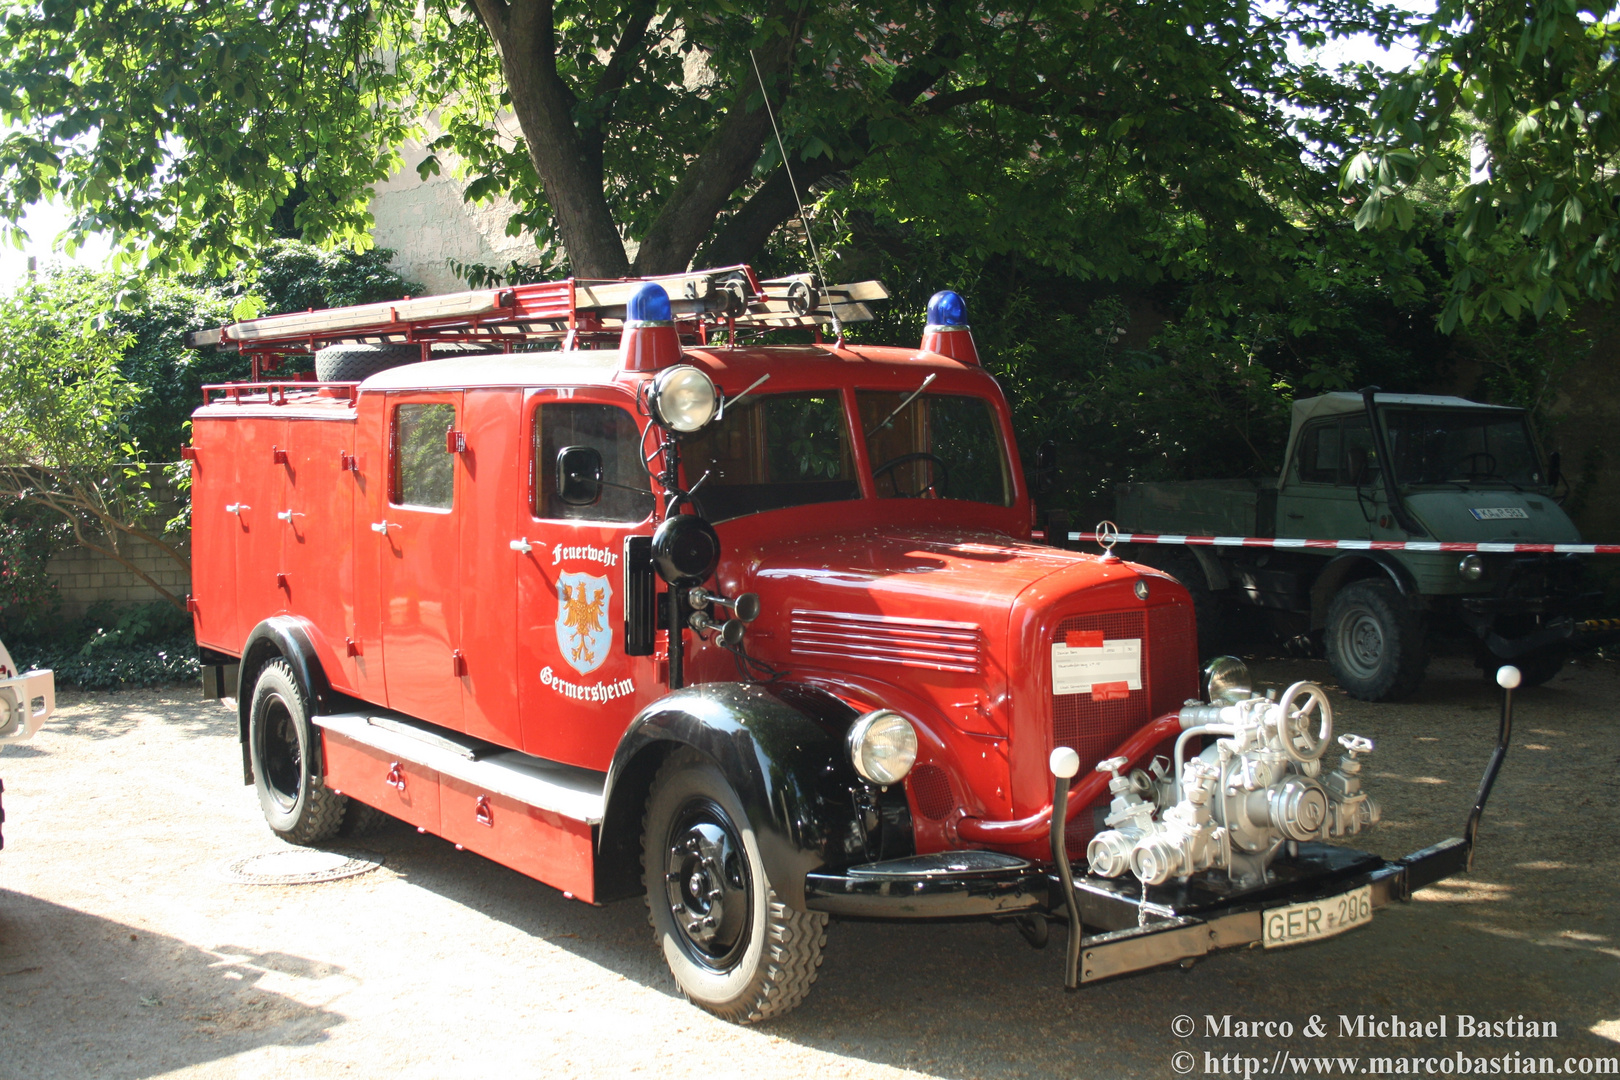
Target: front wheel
[(1376, 642), (281, 743), (733, 947)]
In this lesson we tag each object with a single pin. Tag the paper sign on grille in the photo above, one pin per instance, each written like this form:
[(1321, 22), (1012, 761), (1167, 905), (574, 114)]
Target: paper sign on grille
[(1076, 670)]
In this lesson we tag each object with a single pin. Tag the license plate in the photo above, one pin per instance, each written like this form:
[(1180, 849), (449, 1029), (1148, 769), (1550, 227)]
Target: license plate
[(1499, 513), (1316, 919)]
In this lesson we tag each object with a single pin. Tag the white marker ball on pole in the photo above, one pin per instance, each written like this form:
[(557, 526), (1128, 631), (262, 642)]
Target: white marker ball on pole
[(1064, 762), (1508, 677)]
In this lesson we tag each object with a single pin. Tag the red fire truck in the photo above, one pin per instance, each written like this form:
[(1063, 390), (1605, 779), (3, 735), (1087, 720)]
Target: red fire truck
[(589, 578)]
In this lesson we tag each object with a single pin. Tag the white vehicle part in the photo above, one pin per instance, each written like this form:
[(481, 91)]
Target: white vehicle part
[(1258, 788), (26, 700)]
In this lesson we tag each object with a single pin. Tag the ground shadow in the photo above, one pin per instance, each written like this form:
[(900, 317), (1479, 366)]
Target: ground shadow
[(82, 995)]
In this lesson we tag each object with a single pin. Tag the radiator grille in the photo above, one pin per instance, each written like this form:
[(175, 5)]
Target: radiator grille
[(933, 792), (920, 643), (1169, 677)]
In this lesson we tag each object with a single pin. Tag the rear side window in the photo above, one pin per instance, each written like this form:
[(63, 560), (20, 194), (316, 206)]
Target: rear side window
[(1338, 452), (424, 471), (627, 492)]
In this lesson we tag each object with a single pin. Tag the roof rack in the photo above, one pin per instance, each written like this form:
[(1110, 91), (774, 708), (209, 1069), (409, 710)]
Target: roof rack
[(730, 298)]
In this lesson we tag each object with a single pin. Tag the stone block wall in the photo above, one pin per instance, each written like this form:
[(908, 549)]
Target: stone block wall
[(84, 578)]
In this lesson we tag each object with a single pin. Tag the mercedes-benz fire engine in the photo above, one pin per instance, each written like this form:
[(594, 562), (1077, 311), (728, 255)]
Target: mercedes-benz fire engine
[(588, 578)]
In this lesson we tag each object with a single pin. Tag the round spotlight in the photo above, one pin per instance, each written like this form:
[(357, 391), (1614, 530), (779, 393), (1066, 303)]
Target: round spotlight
[(1471, 568), (947, 308), (1227, 681), (683, 399), (883, 746)]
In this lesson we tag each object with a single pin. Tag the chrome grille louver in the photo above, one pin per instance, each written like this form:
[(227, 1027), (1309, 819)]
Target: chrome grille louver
[(921, 643)]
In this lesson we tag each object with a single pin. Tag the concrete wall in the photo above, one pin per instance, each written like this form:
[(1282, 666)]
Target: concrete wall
[(428, 223)]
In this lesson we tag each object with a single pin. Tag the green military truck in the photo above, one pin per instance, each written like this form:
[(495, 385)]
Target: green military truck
[(1374, 466)]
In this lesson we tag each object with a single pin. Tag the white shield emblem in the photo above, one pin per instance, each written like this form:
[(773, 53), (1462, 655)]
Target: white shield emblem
[(584, 631)]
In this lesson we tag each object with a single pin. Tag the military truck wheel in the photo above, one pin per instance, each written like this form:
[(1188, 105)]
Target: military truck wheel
[(352, 363), (1208, 608), (1376, 641), (733, 947), (281, 741)]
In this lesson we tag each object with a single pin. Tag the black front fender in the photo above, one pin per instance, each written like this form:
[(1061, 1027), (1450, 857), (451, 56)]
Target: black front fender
[(783, 753)]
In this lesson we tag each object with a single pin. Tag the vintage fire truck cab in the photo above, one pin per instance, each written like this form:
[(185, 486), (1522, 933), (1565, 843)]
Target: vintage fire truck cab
[(758, 632)]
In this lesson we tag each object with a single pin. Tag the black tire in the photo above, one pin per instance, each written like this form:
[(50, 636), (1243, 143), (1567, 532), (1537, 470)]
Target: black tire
[(352, 363), (1214, 621), (361, 820), (297, 805), (1376, 641), (733, 947)]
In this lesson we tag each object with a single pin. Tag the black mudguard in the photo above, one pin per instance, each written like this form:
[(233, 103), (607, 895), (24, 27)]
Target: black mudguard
[(284, 636), (781, 749)]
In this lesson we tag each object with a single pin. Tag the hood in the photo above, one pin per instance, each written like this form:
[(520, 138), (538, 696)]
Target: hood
[(1492, 515), (916, 573)]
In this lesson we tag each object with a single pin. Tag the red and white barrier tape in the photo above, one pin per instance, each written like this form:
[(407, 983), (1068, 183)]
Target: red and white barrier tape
[(1108, 538)]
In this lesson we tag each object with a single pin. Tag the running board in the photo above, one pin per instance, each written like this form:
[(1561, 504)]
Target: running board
[(548, 785)]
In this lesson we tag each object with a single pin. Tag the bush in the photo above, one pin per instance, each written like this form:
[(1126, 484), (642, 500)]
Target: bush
[(111, 648)]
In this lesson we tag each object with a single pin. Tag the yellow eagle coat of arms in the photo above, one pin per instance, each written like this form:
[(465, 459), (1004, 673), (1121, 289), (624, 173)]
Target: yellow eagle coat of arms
[(584, 631)]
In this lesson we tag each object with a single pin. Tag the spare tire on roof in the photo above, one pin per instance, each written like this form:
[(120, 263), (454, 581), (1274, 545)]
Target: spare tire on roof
[(352, 363)]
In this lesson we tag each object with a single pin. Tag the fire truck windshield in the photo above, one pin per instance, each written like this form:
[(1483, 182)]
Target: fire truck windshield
[(941, 446), (772, 451)]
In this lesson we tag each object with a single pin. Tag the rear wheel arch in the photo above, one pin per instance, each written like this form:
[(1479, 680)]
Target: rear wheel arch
[(281, 637)]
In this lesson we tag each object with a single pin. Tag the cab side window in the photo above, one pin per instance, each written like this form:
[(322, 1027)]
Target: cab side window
[(424, 470), (1336, 452), (626, 491)]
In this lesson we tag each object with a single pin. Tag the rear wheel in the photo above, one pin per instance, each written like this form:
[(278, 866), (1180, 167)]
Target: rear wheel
[(734, 948), (1376, 641), (281, 742)]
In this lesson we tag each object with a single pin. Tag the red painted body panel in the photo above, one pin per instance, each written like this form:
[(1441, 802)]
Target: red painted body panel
[(398, 788), (419, 583), (492, 467), (317, 544), (213, 535), (260, 490), (539, 843)]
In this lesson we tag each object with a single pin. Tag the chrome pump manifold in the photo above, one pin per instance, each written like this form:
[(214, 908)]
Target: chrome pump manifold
[(1258, 788)]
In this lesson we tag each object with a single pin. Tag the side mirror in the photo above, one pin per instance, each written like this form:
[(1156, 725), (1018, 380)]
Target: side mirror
[(579, 475), (1555, 468), (1045, 467)]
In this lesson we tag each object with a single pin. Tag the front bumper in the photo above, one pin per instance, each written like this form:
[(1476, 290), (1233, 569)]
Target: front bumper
[(1132, 931)]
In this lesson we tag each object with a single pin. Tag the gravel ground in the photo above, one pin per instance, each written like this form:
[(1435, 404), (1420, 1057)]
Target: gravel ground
[(124, 950)]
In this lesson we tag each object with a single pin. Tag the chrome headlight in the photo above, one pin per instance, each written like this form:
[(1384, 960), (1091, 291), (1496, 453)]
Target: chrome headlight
[(883, 747), (1227, 681), (683, 399), (1471, 568)]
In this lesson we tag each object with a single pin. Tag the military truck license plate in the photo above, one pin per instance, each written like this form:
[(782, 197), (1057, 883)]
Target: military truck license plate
[(1317, 918)]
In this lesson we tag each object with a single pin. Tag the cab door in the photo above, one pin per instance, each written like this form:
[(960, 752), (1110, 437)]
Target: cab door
[(418, 544), (577, 688)]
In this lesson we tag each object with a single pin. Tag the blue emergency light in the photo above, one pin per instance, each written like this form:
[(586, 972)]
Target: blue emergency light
[(650, 304), (947, 308)]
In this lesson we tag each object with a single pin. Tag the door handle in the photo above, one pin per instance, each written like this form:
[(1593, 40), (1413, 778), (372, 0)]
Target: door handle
[(520, 544), (384, 526), (237, 508), (287, 516)]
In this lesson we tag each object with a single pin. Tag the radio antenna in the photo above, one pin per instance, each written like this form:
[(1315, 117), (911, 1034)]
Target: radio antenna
[(815, 256)]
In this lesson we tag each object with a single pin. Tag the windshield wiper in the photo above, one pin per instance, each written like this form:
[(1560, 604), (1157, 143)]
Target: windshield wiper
[(887, 420)]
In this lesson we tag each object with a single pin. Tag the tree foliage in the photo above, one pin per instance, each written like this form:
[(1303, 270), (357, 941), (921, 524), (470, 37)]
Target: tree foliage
[(1513, 112), (1110, 139)]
